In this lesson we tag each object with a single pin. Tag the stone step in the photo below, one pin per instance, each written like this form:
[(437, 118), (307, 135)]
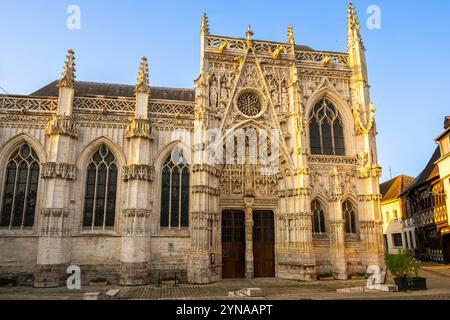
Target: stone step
[(109, 295), (247, 292), (362, 289)]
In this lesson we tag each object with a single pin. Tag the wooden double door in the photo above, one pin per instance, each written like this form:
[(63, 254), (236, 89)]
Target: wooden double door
[(233, 244), (264, 244)]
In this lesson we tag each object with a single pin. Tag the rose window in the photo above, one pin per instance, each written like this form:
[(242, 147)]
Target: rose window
[(249, 104)]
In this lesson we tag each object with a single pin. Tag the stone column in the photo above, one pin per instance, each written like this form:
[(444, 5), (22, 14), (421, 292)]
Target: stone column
[(135, 251), (295, 254), (249, 224), (204, 199), (55, 220), (337, 229)]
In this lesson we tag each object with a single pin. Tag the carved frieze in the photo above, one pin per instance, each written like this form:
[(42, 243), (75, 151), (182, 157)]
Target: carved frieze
[(101, 120), (136, 212), (369, 197), (138, 172), (23, 121), (52, 170), (294, 192), (333, 160), (238, 180), (206, 190), (206, 168)]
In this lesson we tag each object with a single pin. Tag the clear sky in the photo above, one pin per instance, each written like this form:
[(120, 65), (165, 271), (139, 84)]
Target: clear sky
[(408, 58)]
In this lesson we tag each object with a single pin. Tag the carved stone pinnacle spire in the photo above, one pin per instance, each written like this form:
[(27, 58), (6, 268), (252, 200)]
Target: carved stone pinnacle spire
[(249, 34), (143, 82), (67, 79), (204, 29), (352, 18), (353, 27), (290, 35)]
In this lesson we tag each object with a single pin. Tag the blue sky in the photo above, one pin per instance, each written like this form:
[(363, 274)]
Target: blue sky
[(407, 58)]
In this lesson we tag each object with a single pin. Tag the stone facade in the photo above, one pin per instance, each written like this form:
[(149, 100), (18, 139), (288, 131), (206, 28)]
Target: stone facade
[(243, 84)]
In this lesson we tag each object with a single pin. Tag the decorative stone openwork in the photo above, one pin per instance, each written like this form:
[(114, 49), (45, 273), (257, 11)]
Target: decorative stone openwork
[(249, 103)]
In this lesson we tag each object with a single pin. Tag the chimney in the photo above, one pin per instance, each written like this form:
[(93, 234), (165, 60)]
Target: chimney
[(447, 122)]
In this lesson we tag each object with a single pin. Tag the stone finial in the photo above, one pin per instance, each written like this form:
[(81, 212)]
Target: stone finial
[(249, 34), (143, 82), (204, 29), (352, 17), (67, 79), (353, 26), (290, 35)]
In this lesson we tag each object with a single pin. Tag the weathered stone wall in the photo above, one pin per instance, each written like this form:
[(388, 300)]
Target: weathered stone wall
[(323, 257), (167, 263), (18, 258), (353, 255), (97, 257)]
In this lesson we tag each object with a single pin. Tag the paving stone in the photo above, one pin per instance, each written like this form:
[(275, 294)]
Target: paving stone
[(272, 289)]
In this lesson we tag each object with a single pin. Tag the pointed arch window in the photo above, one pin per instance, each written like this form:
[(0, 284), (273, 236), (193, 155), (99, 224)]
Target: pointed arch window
[(318, 218), (175, 195), (326, 130), (20, 189), (349, 213), (101, 190)]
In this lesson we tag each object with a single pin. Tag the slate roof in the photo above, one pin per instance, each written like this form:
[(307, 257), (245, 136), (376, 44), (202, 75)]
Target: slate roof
[(430, 172), (83, 88), (393, 188), (303, 48)]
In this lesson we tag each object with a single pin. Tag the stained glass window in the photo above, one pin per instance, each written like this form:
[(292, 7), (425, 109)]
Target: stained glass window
[(175, 195), (349, 213), (20, 189), (318, 216), (326, 130), (101, 190)]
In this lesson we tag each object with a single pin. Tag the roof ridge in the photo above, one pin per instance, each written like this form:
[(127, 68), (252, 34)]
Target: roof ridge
[(130, 85), (92, 88)]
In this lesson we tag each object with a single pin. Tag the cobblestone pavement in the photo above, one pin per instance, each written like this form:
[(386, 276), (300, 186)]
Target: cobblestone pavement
[(276, 289), (438, 278)]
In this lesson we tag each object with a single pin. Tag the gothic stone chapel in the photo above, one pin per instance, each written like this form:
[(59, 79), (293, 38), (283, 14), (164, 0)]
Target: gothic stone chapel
[(88, 177)]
